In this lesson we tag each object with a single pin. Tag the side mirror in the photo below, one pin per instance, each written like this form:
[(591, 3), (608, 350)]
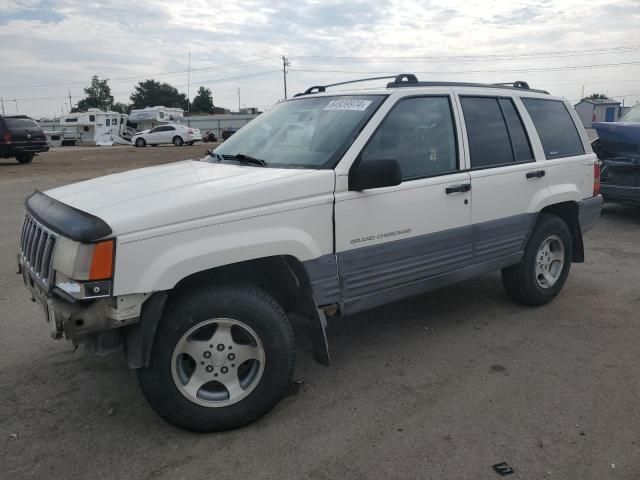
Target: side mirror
[(375, 174)]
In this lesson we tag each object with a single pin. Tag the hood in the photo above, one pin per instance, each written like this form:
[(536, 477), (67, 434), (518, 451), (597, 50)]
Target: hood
[(169, 194), (618, 139)]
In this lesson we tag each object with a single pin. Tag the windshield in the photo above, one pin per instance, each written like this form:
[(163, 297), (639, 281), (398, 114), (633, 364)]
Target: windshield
[(632, 115), (304, 132)]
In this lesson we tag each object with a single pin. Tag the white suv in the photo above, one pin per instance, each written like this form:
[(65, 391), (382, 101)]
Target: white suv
[(326, 205), (167, 134)]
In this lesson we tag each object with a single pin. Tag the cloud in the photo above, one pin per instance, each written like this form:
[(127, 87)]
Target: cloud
[(55, 46)]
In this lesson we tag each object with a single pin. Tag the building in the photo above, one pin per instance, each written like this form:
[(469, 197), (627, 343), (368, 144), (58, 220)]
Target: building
[(597, 110)]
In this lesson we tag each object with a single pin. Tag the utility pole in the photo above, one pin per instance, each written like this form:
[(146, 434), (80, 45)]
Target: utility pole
[(17, 113), (2, 102), (70, 104), (238, 99), (285, 64), (189, 92), (582, 92)]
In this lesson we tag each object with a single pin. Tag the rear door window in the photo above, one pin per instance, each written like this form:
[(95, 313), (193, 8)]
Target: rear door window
[(555, 127), (495, 132)]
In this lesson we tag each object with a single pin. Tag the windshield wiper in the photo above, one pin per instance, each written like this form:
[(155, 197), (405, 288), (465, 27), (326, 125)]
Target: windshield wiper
[(242, 158)]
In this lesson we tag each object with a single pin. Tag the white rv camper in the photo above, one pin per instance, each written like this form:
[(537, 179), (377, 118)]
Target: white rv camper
[(150, 117), (94, 127)]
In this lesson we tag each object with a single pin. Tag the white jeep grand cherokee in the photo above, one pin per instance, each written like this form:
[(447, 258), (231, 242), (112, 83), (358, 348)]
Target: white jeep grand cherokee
[(326, 205)]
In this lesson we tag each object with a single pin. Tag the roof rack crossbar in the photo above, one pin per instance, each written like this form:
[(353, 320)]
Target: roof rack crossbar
[(516, 84), (323, 88)]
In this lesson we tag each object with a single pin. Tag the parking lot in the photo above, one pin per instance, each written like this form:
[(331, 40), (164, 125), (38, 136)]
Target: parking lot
[(440, 386)]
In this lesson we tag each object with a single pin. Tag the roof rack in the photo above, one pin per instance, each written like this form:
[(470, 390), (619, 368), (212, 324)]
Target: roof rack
[(410, 80)]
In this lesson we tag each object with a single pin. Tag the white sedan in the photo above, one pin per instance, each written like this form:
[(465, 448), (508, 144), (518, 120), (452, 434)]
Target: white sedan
[(166, 134)]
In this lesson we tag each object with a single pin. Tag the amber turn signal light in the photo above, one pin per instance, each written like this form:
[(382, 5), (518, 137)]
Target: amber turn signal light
[(102, 261)]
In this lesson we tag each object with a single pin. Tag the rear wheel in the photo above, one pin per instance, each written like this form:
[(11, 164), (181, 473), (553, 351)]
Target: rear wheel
[(177, 141), (24, 157), (140, 142), (223, 356), (544, 268)]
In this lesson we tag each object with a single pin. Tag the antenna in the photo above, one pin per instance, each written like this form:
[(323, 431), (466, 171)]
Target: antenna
[(189, 92), (285, 63)]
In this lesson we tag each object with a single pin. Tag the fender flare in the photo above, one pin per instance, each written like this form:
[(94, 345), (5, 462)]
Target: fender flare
[(138, 338)]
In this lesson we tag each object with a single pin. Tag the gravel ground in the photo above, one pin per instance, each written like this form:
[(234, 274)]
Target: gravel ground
[(440, 386)]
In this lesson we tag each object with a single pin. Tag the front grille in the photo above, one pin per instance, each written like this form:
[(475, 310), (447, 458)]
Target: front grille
[(36, 247)]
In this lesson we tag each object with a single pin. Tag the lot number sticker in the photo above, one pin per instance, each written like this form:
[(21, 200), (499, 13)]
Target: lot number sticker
[(347, 104)]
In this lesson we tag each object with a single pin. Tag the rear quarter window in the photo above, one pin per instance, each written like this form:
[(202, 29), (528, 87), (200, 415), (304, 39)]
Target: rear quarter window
[(555, 127)]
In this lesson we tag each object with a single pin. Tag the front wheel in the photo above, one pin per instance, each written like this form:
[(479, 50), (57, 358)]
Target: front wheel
[(140, 142), (545, 265), (177, 141), (223, 357)]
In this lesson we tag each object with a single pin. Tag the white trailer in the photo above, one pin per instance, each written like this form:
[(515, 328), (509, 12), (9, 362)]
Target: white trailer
[(150, 117), (94, 127)]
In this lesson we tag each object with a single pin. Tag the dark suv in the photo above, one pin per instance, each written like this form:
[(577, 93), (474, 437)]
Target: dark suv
[(21, 137)]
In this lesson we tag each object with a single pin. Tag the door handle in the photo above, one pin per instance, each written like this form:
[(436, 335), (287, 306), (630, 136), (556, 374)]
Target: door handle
[(465, 187), (536, 174)]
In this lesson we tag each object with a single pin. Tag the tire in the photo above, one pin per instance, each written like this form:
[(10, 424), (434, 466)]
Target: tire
[(141, 142), (201, 313), (538, 278), (25, 157), (177, 141)]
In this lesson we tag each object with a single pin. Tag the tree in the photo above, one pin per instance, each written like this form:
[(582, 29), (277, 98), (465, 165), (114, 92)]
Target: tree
[(596, 96), (120, 107), (151, 93), (202, 102), (98, 95)]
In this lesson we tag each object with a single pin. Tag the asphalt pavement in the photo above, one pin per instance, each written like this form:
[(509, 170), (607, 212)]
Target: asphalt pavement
[(441, 386)]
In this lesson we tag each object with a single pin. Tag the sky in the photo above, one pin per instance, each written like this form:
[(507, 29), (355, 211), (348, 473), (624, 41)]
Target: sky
[(51, 48)]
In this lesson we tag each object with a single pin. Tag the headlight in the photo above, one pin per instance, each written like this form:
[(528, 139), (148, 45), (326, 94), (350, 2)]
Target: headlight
[(84, 261), (84, 270)]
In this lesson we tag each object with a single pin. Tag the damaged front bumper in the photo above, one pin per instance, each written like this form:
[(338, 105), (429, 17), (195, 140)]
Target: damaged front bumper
[(83, 321)]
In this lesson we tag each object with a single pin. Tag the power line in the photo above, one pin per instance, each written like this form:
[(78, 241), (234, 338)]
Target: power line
[(146, 76), (217, 80), (479, 57), (430, 58), (502, 70)]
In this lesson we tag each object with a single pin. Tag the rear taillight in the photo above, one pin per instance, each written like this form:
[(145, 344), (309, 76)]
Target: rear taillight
[(596, 179), (6, 138), (190, 131)]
